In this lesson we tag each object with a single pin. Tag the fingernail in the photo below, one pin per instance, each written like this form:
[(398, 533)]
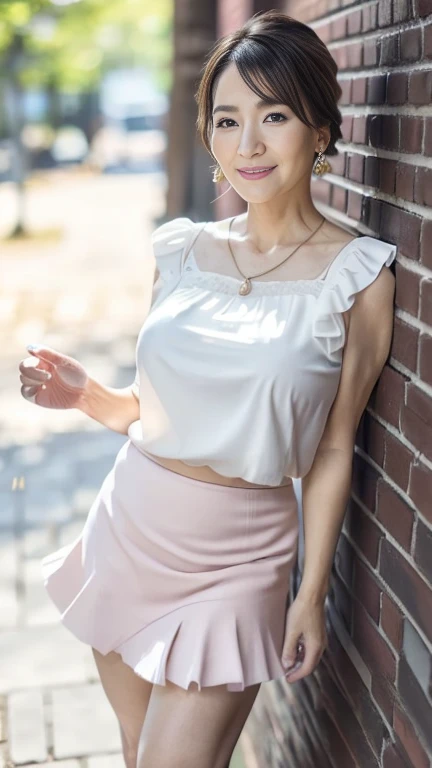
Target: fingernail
[(287, 662), (33, 347)]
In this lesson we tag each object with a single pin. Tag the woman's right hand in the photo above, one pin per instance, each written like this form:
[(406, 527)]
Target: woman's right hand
[(51, 379)]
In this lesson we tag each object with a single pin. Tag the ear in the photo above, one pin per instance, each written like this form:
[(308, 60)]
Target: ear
[(323, 136)]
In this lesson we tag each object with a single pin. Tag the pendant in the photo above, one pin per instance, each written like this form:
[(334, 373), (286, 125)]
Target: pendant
[(245, 287)]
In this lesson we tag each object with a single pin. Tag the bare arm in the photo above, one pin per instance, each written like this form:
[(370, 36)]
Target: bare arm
[(326, 487), (116, 409)]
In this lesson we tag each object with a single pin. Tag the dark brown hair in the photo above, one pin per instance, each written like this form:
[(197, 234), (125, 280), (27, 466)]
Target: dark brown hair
[(277, 57)]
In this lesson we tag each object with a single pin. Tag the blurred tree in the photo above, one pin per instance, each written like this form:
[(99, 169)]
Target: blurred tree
[(73, 42), (68, 45)]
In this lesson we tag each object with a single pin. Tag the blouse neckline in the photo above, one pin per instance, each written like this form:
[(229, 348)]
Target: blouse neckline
[(190, 264)]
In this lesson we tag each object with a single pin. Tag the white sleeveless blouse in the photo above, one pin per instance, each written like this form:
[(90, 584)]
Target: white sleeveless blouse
[(243, 384)]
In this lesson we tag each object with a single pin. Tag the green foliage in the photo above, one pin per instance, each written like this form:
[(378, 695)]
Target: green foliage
[(72, 45)]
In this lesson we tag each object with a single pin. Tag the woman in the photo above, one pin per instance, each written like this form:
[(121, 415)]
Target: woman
[(264, 339)]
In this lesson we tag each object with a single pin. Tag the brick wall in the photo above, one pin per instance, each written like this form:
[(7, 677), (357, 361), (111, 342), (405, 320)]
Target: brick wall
[(369, 703)]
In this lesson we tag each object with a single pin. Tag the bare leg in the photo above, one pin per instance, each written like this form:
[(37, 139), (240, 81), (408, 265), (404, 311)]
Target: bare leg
[(128, 695), (193, 729)]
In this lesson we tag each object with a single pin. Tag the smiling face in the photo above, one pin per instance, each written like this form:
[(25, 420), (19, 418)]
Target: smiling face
[(253, 134)]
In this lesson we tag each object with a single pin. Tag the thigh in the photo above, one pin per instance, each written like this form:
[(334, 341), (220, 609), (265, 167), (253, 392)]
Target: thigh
[(129, 697), (193, 729)]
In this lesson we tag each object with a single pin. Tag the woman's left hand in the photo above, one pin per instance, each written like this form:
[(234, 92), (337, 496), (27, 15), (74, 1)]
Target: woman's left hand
[(305, 637)]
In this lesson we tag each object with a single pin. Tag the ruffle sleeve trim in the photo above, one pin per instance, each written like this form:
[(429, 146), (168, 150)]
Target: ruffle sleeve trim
[(169, 242), (361, 264)]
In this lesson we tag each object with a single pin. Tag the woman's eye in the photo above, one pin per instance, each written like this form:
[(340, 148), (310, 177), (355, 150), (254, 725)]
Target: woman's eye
[(277, 114), (225, 120)]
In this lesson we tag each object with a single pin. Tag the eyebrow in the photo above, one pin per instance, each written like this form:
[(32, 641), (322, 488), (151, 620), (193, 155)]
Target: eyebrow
[(259, 104)]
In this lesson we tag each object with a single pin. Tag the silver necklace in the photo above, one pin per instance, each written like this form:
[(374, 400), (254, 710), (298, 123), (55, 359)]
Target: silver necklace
[(246, 285)]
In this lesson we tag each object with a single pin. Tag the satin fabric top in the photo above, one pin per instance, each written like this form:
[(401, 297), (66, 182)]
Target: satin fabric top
[(243, 384)]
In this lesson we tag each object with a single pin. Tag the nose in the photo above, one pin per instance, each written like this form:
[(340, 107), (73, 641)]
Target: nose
[(250, 143)]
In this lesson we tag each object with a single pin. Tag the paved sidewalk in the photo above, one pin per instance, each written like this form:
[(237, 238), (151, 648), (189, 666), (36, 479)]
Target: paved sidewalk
[(84, 295)]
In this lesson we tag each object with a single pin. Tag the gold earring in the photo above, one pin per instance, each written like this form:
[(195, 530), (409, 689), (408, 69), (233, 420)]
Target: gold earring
[(218, 174), (322, 165)]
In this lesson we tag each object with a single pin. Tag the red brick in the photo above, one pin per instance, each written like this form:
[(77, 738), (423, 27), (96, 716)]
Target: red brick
[(410, 44), (409, 234), (367, 22), (340, 55), (428, 136), (416, 420), (425, 358), (366, 590), (354, 208), (420, 87), (338, 28), (346, 127), (335, 704), (405, 344), (391, 621), (371, 53), (324, 33), (364, 531), (389, 55), (354, 55), (356, 168), (423, 8), (344, 560), (423, 549), (407, 290), (428, 41), (426, 301), (372, 645), (359, 85), (364, 482), (354, 22), (370, 437), (425, 244), (376, 91), (397, 462), (342, 599), (388, 395), (387, 175), (409, 739), (390, 130), (410, 588), (411, 135), (372, 171), (346, 91), (420, 489), (373, 208), (395, 514), (385, 13), (401, 11), (392, 758), (416, 704), (338, 163), (405, 181), (397, 88), (423, 187)]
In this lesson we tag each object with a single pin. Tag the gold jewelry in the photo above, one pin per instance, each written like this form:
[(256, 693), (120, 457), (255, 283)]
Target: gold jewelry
[(322, 165), (246, 286), (218, 174)]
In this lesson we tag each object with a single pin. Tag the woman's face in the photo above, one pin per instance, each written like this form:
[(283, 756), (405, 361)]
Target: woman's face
[(250, 135)]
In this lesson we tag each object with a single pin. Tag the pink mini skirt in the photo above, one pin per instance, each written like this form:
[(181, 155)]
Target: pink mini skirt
[(187, 580)]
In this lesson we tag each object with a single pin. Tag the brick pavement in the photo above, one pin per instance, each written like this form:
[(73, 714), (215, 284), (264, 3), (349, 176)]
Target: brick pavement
[(84, 295)]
